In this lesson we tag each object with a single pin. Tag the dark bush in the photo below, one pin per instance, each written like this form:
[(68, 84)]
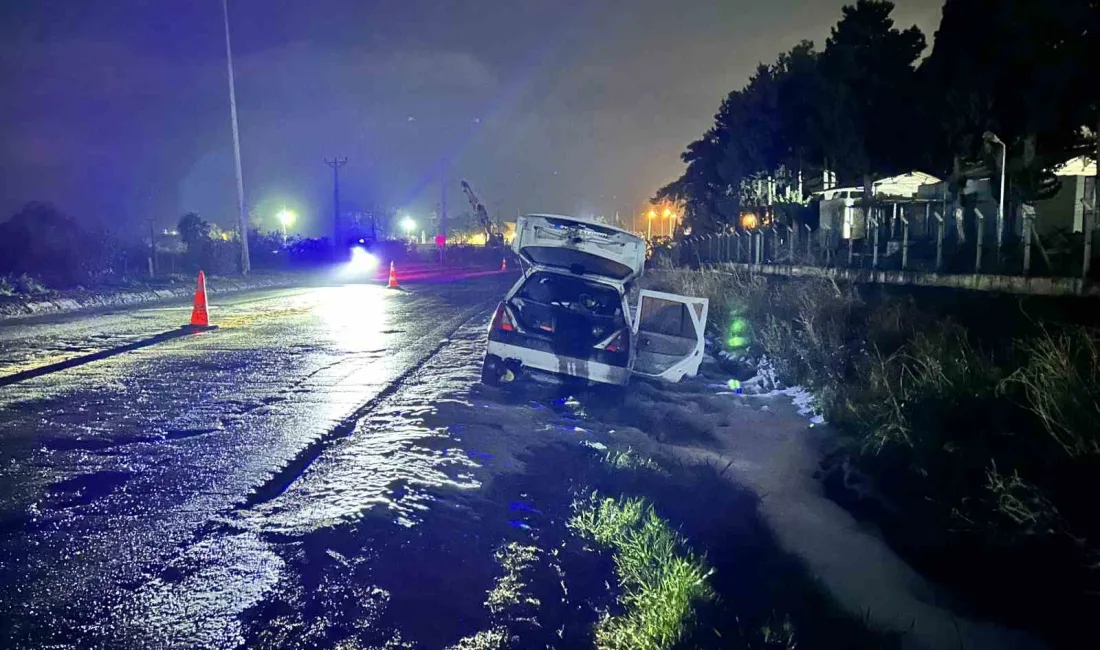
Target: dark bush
[(43, 242)]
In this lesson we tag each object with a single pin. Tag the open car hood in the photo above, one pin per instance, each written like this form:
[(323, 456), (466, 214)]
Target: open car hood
[(580, 247)]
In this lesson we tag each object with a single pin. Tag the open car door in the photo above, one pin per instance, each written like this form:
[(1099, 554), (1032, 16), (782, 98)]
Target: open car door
[(668, 335)]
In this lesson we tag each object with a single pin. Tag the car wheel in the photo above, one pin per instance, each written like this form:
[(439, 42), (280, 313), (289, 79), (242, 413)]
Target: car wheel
[(490, 370)]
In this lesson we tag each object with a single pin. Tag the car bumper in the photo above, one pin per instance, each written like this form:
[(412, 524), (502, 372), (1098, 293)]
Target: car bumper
[(528, 358)]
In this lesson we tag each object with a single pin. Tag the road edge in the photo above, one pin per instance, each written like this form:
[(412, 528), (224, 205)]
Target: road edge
[(85, 301)]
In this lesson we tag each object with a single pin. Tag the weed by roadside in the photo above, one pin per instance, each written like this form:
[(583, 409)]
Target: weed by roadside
[(1061, 380), (661, 580), (21, 285), (987, 451), (631, 460)]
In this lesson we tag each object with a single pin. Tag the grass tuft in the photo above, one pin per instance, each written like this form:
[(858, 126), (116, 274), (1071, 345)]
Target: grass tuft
[(661, 581), (1021, 503), (780, 636), (494, 639), (510, 589), (1061, 380), (628, 459)]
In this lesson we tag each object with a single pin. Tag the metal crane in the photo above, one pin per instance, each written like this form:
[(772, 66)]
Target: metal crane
[(493, 239)]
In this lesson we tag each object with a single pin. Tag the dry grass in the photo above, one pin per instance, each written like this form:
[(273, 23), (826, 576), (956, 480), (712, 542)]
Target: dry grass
[(1061, 381), (929, 371), (1021, 503), (994, 451)]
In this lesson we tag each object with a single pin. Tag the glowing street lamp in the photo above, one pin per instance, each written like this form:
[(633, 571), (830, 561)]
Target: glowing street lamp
[(649, 225), (668, 219), (286, 219), (408, 225)]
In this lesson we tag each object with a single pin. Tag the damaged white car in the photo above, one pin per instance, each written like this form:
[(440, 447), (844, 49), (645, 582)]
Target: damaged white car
[(569, 315)]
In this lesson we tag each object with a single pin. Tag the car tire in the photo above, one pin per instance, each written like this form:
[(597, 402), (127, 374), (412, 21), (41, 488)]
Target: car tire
[(490, 370)]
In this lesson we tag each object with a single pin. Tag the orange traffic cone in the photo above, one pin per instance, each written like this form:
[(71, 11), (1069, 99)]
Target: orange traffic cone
[(503, 264), (199, 316), (392, 284)]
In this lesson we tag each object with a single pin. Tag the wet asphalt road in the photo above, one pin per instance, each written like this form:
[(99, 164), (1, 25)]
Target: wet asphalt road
[(326, 471), (147, 499)]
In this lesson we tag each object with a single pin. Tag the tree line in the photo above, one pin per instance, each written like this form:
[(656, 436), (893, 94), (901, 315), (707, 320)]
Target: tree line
[(868, 106)]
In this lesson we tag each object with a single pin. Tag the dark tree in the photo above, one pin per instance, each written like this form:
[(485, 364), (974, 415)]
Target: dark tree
[(194, 230), (1020, 69), (869, 94)]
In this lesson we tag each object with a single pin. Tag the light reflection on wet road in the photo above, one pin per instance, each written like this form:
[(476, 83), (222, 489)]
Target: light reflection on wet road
[(113, 470)]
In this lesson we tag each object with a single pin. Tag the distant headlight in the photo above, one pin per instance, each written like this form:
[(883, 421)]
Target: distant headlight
[(362, 261)]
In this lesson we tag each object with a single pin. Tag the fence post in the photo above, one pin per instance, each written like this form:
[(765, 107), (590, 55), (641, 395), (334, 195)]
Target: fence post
[(874, 242), (939, 240), (978, 241), (850, 240), (809, 237), (904, 242), (711, 247), (759, 247), (790, 244), (1087, 226), (1027, 244)]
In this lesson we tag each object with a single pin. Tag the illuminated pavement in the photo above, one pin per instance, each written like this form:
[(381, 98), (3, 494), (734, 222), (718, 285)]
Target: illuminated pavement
[(325, 470), (114, 473)]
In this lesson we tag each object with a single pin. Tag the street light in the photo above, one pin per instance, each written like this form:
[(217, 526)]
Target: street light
[(286, 219), (649, 224), (408, 225), (991, 138), (668, 219)]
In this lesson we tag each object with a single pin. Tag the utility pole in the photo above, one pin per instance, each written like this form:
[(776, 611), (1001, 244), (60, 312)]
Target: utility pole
[(336, 164), (152, 249), (991, 138), (246, 264), (443, 206)]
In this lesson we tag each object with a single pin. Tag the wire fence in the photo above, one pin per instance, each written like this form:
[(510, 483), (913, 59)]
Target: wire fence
[(900, 238)]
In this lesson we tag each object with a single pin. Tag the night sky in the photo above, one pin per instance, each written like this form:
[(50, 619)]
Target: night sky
[(117, 110)]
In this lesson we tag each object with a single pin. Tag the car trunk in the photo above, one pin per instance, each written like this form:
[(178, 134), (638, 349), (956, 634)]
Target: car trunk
[(573, 314), (579, 247)]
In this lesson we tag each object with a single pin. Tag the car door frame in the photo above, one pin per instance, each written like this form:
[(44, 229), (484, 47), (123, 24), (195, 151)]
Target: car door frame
[(698, 309)]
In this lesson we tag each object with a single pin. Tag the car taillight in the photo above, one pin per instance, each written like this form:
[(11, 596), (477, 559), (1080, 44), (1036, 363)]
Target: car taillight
[(502, 320), (614, 343)]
